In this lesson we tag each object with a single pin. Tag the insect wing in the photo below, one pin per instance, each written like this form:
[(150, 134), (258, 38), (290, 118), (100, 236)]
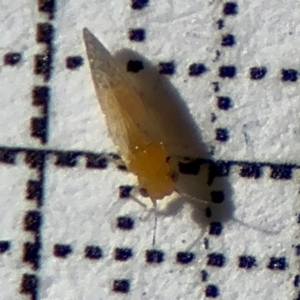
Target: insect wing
[(129, 123)]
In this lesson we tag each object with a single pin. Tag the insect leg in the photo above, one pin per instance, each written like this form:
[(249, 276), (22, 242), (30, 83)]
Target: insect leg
[(131, 192), (155, 222), (117, 160)]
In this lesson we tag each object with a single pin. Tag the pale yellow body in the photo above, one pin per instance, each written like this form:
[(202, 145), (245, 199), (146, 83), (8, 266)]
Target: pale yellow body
[(130, 121)]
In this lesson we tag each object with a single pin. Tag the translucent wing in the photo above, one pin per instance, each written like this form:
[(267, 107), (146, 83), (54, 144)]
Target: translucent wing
[(129, 123)]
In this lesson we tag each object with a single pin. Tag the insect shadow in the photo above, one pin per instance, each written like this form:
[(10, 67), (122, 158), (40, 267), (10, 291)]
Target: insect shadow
[(198, 182)]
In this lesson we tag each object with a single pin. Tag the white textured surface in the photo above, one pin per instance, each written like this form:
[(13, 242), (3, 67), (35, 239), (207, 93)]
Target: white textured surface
[(81, 205)]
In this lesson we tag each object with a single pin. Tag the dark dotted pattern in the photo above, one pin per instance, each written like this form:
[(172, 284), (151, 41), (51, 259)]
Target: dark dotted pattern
[(12, 58), (34, 190), (125, 223), (62, 251), (250, 170), (137, 35), (64, 159), (4, 246), (204, 275), (35, 159), (96, 161), (278, 263), (135, 66), (197, 69), (228, 40), (212, 291), (227, 71), (41, 97), (281, 172), (38, 128), (74, 62), (216, 260), (154, 256), (44, 33), (220, 24), (216, 86), (185, 257), (125, 191), (215, 228), (121, 286), (166, 68), (230, 8), (222, 134), (257, 73), (297, 281), (297, 248), (222, 168), (93, 252), (139, 4), (217, 197), (190, 168), (224, 103), (247, 262), (289, 75), (218, 169), (31, 254), (8, 156), (33, 221), (123, 254), (29, 285), (42, 65), (47, 6)]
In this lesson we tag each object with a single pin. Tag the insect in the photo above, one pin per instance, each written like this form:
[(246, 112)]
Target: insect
[(131, 122)]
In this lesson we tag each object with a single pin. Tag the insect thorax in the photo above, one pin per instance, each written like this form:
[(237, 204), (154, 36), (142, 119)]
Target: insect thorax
[(150, 165)]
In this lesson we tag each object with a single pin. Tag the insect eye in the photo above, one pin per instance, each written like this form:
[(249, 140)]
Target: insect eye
[(144, 192)]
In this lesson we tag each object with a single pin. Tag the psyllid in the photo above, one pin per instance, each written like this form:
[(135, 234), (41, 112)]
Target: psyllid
[(136, 131), (131, 123)]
